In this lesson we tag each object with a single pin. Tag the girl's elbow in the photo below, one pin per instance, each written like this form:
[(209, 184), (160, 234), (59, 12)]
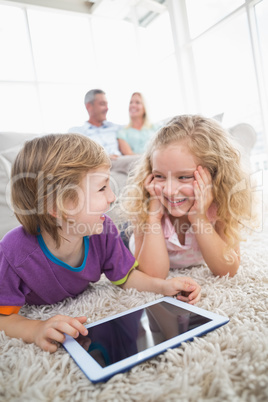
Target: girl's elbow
[(230, 265), (234, 266), (231, 271)]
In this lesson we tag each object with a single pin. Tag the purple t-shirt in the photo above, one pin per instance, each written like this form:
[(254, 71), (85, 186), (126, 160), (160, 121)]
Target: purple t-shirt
[(29, 274)]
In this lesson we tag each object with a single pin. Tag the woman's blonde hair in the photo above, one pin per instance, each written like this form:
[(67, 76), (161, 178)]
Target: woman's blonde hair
[(45, 174), (212, 147)]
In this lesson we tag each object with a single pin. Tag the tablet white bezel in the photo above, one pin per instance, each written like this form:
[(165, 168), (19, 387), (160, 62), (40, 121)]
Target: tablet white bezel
[(96, 373)]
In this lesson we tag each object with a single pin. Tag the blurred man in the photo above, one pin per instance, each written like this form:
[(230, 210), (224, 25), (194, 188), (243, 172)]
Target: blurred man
[(97, 127)]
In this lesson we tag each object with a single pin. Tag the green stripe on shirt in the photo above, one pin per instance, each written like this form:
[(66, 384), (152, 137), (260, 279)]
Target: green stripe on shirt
[(123, 280)]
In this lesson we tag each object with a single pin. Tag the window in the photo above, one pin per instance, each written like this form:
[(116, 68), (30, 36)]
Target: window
[(19, 102), (261, 20), (229, 63), (16, 59), (159, 72), (199, 56), (203, 14), (62, 46), (117, 55), (226, 76)]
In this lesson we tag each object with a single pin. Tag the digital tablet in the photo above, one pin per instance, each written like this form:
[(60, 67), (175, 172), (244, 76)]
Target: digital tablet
[(117, 343)]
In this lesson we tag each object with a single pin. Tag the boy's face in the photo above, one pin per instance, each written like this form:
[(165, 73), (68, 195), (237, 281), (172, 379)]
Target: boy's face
[(94, 199)]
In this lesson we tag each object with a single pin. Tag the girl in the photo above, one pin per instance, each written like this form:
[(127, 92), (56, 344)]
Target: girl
[(186, 199), (60, 193)]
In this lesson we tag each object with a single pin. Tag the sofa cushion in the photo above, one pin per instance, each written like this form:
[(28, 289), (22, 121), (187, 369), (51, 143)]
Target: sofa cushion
[(245, 135), (10, 145), (12, 139), (7, 218)]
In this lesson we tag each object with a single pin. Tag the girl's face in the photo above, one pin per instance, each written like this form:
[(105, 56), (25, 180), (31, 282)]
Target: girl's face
[(173, 170), (136, 107), (94, 199)]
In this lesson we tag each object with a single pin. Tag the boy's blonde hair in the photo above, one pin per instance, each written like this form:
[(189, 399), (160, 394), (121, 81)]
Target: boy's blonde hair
[(211, 145), (45, 174)]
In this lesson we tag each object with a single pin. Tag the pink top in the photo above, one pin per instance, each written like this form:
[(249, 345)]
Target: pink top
[(182, 256)]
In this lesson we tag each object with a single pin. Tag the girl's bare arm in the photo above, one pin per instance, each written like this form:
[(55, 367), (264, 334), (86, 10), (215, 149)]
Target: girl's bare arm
[(214, 249), (150, 246), (211, 240), (151, 251)]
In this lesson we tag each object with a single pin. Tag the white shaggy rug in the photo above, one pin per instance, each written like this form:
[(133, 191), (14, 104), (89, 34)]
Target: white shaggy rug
[(228, 364)]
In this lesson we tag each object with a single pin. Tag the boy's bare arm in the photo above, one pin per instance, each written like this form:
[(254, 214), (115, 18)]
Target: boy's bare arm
[(46, 333)]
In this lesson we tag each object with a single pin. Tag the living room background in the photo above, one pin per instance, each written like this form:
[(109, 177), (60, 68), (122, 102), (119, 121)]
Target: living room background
[(207, 57)]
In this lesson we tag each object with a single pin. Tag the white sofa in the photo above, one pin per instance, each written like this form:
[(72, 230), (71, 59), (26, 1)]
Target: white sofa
[(11, 143)]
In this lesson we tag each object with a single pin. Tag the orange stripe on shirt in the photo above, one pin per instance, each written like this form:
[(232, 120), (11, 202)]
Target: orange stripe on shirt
[(7, 310)]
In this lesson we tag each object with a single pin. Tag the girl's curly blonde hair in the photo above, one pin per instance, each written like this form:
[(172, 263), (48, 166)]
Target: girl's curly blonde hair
[(211, 145)]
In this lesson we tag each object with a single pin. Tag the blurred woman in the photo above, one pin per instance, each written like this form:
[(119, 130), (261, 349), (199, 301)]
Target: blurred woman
[(133, 138)]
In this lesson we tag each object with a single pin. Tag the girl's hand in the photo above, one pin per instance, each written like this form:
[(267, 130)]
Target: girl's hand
[(185, 288), (156, 208), (51, 331), (203, 194)]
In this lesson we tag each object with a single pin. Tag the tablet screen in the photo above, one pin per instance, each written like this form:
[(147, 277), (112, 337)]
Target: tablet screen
[(114, 340)]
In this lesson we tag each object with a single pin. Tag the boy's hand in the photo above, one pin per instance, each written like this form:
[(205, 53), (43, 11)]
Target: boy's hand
[(186, 289), (51, 331)]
